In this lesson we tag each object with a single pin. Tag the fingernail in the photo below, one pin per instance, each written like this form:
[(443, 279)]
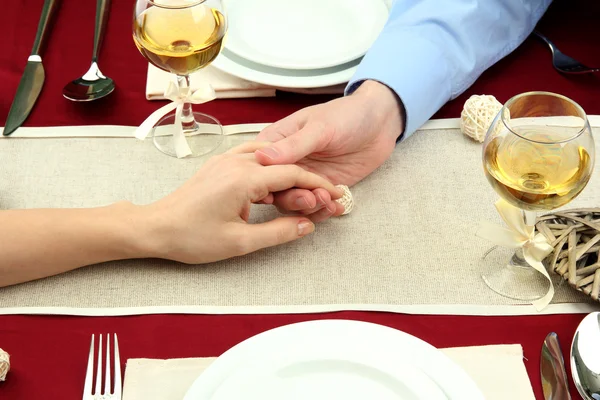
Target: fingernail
[(270, 152), (331, 208), (320, 200), (302, 203), (305, 227)]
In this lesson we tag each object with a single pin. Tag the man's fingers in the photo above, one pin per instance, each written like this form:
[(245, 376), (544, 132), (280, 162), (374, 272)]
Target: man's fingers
[(248, 147), (267, 200), (323, 213), (293, 148), (278, 178), (295, 200), (254, 237), (283, 128)]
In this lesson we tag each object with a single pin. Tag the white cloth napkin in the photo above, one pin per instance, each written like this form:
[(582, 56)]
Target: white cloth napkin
[(498, 370), (226, 86)]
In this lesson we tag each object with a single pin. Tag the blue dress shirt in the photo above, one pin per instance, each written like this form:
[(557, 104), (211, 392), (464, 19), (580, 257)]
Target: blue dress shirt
[(430, 51)]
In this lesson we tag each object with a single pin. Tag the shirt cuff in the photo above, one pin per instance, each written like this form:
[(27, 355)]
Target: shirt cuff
[(414, 68)]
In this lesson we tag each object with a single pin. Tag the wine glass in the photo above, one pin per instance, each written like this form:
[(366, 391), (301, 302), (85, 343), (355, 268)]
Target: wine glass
[(181, 37), (538, 155)]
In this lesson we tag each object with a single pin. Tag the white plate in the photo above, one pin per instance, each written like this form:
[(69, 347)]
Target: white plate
[(339, 359), (284, 78), (306, 34)]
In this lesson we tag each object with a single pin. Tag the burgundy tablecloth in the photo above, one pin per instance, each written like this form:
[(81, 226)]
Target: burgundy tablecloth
[(49, 353), (572, 24)]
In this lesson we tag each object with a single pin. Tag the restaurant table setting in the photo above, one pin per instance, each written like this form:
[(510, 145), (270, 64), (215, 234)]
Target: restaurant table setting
[(429, 288)]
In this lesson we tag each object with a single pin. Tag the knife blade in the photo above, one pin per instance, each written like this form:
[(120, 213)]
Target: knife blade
[(33, 76), (552, 370)]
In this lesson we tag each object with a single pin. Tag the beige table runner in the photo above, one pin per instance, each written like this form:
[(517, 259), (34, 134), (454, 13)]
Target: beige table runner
[(409, 245), (497, 370)]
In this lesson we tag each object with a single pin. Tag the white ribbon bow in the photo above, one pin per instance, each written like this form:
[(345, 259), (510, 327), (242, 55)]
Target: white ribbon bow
[(204, 94), (521, 235)]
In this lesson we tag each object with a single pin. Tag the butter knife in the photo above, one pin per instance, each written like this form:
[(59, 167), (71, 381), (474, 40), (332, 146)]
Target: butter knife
[(552, 370), (32, 80)]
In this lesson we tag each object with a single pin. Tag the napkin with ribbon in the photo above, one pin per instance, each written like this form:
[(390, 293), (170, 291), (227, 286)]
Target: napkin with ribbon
[(498, 371), (226, 86), (520, 234)]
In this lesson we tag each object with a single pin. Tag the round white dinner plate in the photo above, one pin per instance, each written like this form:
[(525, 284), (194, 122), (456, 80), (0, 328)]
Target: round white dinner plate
[(284, 78), (333, 359), (307, 34)]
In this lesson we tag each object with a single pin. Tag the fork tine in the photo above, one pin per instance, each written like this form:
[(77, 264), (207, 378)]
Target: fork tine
[(99, 369), (107, 374), (117, 391), (87, 387)]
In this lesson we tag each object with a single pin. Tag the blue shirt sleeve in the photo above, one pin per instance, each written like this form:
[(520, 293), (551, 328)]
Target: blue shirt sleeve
[(430, 51)]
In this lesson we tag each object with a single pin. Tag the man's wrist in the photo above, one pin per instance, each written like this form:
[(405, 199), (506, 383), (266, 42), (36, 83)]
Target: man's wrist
[(385, 103)]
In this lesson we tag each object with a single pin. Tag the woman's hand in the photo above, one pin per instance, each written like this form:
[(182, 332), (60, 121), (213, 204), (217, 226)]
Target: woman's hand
[(206, 219)]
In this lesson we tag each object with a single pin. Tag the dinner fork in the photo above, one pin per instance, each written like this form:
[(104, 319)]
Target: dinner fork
[(562, 62), (89, 375)]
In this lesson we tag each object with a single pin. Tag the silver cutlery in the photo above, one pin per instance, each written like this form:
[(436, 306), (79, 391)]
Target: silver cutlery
[(552, 370), (585, 357), (89, 375), (33, 77), (93, 84), (562, 62)]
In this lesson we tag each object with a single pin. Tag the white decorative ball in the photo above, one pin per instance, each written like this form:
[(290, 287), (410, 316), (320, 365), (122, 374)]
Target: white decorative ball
[(477, 116), (346, 200), (4, 364)]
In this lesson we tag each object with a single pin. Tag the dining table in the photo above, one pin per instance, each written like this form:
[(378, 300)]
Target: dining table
[(48, 349)]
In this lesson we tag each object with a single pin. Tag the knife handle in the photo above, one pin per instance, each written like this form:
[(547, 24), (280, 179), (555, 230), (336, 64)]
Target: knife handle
[(102, 11), (50, 7)]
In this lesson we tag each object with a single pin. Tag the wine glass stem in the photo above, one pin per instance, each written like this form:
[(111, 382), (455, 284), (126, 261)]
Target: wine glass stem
[(518, 260), (187, 116)]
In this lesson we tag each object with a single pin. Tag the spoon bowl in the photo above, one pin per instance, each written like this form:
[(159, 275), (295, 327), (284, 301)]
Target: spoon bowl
[(91, 86), (585, 357)]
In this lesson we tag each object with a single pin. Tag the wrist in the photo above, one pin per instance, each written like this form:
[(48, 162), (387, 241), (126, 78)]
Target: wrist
[(384, 105), (135, 230)]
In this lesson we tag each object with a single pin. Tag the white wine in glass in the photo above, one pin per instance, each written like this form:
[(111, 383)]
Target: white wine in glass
[(181, 37), (538, 155)]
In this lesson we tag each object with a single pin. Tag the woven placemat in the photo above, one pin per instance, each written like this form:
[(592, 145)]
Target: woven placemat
[(575, 236)]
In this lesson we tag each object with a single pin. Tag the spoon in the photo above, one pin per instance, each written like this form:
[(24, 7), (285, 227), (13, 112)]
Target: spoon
[(93, 84), (585, 357)]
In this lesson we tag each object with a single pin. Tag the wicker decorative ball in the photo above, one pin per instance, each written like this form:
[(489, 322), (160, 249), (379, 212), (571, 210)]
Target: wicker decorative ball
[(346, 200), (477, 116), (4, 364), (575, 236)]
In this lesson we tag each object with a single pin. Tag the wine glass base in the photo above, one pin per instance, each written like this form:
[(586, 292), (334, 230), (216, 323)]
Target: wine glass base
[(203, 137), (507, 278)]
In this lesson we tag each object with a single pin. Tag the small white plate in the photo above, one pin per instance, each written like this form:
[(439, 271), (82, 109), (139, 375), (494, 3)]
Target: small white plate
[(306, 34), (284, 78), (320, 360)]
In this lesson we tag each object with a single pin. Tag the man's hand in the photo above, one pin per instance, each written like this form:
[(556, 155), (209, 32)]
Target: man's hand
[(343, 140)]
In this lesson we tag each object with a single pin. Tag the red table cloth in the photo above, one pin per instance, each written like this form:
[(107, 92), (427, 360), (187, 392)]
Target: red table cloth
[(49, 352), (571, 24)]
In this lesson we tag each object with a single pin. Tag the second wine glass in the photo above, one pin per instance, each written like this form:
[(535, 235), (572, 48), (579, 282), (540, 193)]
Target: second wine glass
[(181, 37), (538, 155)]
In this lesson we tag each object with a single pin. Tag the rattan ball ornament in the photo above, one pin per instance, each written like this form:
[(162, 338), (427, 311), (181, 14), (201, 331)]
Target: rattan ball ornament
[(4, 364), (477, 116), (346, 200)]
